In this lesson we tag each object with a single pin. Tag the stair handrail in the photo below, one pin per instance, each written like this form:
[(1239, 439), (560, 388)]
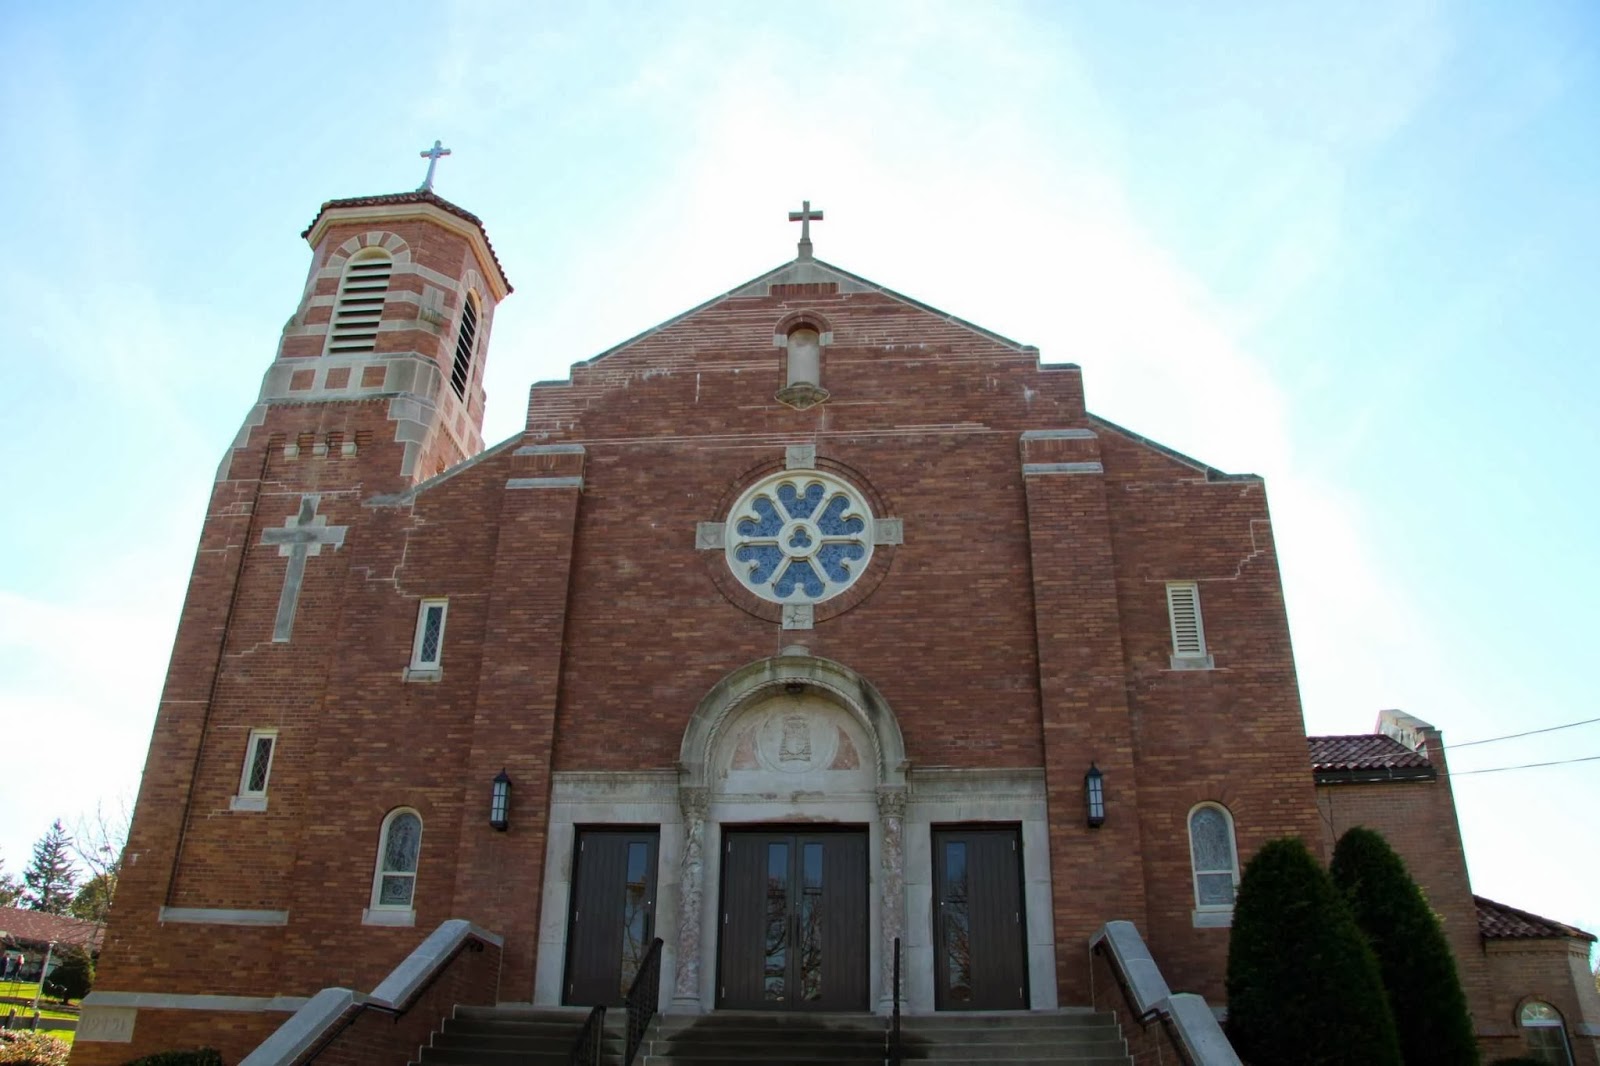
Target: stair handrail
[(894, 1013), (328, 1014), (644, 993), (1183, 1016), (590, 1041)]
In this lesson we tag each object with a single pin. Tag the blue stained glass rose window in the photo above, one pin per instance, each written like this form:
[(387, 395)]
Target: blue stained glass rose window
[(801, 536)]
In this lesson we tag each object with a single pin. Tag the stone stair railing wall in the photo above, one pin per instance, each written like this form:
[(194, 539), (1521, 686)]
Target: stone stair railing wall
[(1161, 1026), (458, 963)]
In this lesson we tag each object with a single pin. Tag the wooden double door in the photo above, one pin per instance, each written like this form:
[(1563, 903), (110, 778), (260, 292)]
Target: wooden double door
[(612, 920), (793, 921), (980, 942)]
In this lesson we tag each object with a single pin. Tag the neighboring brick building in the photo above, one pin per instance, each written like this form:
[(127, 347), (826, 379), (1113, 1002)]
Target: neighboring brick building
[(1526, 978), (798, 624)]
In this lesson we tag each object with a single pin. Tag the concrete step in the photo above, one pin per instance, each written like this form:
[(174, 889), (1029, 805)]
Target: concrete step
[(536, 1036)]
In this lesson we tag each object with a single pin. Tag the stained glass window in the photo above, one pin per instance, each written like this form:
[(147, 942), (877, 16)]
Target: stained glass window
[(260, 761), (399, 849), (1212, 853), (801, 536), (429, 644)]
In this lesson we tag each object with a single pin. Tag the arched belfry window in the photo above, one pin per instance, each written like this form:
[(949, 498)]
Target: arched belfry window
[(1213, 858), (466, 337), (1545, 1033), (399, 847), (359, 305)]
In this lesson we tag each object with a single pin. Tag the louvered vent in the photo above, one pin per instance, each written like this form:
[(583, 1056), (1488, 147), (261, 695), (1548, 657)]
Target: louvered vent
[(464, 339), (360, 306), (1188, 634)]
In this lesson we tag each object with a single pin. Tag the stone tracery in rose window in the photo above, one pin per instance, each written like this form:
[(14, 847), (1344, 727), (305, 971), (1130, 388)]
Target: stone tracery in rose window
[(799, 537)]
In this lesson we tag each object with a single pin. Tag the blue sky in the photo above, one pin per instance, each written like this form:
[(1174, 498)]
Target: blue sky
[(1349, 247)]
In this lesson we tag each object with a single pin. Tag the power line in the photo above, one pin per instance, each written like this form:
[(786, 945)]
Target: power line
[(1524, 766), (1514, 736)]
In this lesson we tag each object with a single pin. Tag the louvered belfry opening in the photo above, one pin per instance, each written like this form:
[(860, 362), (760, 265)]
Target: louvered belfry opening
[(1188, 636), (461, 371), (360, 304)]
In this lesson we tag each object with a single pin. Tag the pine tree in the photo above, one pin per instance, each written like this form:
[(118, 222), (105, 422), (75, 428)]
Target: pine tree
[(50, 880), (1303, 986), (10, 888), (1419, 972)]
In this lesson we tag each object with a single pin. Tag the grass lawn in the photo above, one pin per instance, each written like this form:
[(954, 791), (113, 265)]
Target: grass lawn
[(19, 995)]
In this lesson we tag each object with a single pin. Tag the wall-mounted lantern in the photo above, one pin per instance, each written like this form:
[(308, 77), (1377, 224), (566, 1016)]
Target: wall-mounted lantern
[(500, 801), (1094, 796)]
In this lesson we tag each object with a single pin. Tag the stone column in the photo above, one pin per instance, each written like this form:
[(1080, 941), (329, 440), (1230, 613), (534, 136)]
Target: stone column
[(892, 884), (693, 802)]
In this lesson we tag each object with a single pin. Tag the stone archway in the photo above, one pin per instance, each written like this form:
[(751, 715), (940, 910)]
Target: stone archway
[(792, 737)]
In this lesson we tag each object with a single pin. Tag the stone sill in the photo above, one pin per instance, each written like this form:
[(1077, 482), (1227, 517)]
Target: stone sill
[(371, 916), (247, 803), (1193, 662), (1217, 919), (428, 674)]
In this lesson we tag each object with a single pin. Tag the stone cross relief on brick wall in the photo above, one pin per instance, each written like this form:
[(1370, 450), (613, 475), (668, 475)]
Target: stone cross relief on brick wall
[(301, 535)]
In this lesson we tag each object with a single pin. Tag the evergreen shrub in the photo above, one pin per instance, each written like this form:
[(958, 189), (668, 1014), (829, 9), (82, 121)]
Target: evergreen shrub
[(74, 978), (1303, 986), (1419, 972)]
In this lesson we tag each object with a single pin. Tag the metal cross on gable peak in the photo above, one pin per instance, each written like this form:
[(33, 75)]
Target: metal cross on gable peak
[(805, 216), (432, 155)]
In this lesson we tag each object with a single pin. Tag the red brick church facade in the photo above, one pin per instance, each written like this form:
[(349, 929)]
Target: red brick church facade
[(811, 585)]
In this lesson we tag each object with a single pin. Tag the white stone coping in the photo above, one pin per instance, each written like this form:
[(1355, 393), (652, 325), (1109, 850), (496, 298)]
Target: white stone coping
[(1193, 1024), (1199, 1032), (1127, 951), (173, 1001), (1059, 434), (322, 1011), (545, 483), (220, 916), (1030, 469)]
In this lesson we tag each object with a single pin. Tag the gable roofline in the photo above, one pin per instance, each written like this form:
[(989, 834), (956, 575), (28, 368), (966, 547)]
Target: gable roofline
[(810, 266), (1211, 472)]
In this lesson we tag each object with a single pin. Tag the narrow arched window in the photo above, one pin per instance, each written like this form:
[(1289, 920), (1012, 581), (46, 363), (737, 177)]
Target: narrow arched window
[(1213, 857), (399, 846), (466, 336), (1545, 1033), (359, 305), (805, 357)]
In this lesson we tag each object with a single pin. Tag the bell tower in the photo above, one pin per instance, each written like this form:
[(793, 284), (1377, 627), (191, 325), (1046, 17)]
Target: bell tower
[(384, 357)]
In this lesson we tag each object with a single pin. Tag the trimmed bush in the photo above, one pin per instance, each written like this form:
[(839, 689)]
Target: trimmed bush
[(1419, 972), (74, 978), (200, 1056), (1303, 986)]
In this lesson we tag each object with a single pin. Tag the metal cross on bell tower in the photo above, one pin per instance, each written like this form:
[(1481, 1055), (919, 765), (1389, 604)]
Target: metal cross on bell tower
[(432, 156), (804, 216)]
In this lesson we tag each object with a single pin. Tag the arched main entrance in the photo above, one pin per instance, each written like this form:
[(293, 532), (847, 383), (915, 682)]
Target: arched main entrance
[(792, 790)]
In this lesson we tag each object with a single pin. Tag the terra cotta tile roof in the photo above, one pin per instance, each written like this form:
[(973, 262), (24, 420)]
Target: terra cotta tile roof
[(1363, 751), (420, 196), (1496, 921), (40, 928)]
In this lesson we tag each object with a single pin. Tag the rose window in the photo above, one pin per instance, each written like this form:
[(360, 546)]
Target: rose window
[(799, 537)]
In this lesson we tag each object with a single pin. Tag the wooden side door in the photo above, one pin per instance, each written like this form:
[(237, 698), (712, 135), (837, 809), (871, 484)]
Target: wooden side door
[(980, 944), (612, 919)]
